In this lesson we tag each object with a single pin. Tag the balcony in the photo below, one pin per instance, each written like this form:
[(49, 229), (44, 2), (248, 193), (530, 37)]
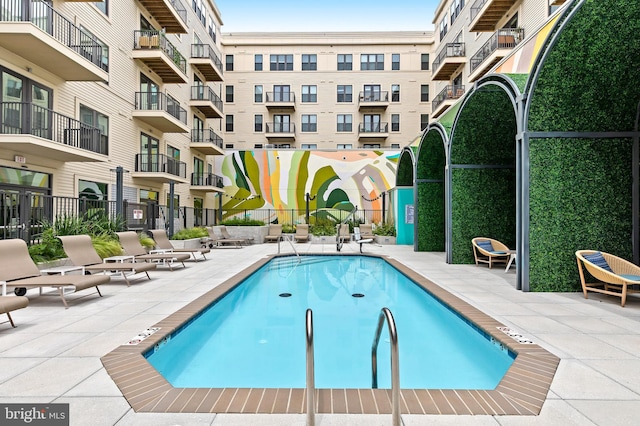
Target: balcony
[(34, 31), (154, 50), (497, 47), (445, 99), (170, 14), (160, 168), (206, 60), (281, 100), (161, 112), (280, 130), (206, 101), (36, 131), (373, 100), (206, 142), (373, 131), (207, 182), (448, 61), (485, 14)]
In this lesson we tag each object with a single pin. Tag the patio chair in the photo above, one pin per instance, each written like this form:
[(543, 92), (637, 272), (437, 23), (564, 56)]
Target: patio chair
[(358, 236), (18, 270), (226, 236), (163, 245), (275, 233), (302, 233), (216, 241), (80, 251), (12, 303), (366, 231), (614, 275), (490, 251), (343, 232), (130, 242)]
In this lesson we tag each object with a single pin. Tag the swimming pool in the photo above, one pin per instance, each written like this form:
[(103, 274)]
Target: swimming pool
[(254, 336)]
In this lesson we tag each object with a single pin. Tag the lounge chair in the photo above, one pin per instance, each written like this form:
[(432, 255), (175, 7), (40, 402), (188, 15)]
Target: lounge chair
[(302, 233), (163, 245), (130, 242), (275, 233), (18, 270), (366, 231), (12, 303), (226, 236), (614, 275), (80, 251), (216, 241), (487, 250), (343, 232)]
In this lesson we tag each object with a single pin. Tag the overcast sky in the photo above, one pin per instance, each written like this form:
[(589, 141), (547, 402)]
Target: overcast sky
[(326, 15)]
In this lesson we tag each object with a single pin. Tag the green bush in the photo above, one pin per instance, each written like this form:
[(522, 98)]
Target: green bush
[(386, 229), (106, 245), (188, 233), (146, 241), (288, 229), (323, 227), (49, 248), (242, 222)]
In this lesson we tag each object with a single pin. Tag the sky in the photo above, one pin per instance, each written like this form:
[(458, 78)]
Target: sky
[(326, 15)]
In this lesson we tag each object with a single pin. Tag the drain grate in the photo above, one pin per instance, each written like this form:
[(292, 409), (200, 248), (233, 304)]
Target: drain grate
[(357, 295), (285, 295)]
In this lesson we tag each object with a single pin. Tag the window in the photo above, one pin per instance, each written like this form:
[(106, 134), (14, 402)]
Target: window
[(552, 9), (345, 93), (444, 27), (257, 94), (345, 123), (309, 146), (309, 123), (102, 6), (424, 121), (228, 146), (257, 123), (371, 145), (372, 93), (92, 190), (282, 93), (229, 94), (424, 93), (229, 63), (281, 63), (395, 145), (309, 93), (395, 122), (372, 62), (212, 29), (173, 153), (424, 61), (281, 124), (344, 146), (95, 119), (395, 93), (309, 62), (345, 62), (395, 61), (257, 63), (229, 123), (371, 123), (456, 9)]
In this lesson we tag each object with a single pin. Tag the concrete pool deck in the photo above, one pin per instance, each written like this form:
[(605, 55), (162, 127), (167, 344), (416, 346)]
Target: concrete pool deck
[(53, 356)]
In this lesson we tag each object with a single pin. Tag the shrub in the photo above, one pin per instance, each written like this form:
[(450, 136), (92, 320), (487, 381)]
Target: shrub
[(242, 222), (188, 233), (146, 241), (288, 229), (106, 245), (50, 248), (386, 229), (323, 227)]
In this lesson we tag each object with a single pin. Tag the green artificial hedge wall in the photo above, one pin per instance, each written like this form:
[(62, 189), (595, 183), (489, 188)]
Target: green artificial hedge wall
[(404, 173), (430, 206), (483, 199), (580, 200), (589, 81)]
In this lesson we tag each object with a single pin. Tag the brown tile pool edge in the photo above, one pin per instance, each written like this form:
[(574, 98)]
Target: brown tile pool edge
[(522, 390)]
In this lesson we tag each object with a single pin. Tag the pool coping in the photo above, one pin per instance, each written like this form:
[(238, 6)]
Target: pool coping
[(522, 391)]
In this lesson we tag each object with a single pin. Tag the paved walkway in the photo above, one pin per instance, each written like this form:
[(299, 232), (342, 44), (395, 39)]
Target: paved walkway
[(53, 356)]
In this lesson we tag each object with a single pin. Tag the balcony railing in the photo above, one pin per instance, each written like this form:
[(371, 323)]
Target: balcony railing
[(180, 9), (374, 128), (476, 7), (206, 93), (374, 96), (206, 51), (152, 39), (206, 136), (275, 97), (43, 16), (160, 163), (155, 101), (450, 50), (207, 180), (449, 92), (280, 127), (506, 38), (20, 118)]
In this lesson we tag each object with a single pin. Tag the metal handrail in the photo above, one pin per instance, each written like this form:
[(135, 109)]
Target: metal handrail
[(395, 363), (340, 241), (311, 387)]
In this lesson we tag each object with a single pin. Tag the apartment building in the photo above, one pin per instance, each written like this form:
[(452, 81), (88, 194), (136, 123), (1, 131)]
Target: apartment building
[(91, 87), (471, 36), (356, 90)]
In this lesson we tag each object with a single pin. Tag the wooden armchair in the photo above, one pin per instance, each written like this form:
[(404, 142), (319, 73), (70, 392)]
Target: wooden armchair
[(490, 251), (615, 275)]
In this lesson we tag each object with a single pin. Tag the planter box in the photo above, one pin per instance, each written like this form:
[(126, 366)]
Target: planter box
[(191, 243), (385, 239), (323, 239), (254, 233)]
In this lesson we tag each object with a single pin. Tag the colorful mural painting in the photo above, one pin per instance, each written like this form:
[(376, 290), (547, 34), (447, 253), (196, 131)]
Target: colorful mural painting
[(282, 179)]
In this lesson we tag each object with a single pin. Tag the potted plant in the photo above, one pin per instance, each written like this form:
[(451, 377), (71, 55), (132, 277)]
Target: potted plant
[(385, 233), (246, 228)]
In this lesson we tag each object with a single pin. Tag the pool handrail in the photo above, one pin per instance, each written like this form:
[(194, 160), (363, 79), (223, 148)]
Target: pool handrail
[(395, 363), (340, 240), (311, 388)]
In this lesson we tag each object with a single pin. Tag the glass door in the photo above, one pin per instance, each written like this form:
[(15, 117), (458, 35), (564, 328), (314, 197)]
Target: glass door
[(149, 150), (149, 94)]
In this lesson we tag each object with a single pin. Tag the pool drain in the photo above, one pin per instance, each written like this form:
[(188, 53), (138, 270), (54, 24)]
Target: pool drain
[(357, 295), (285, 295)]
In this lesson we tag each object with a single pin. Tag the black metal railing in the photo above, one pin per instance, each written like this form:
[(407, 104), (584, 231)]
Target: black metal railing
[(206, 135), (206, 51), (476, 7), (153, 39), (160, 163), (506, 38), (373, 128), (280, 127), (207, 179), (24, 118), (277, 97), (449, 92), (450, 50), (43, 16), (156, 101), (206, 93), (374, 96), (180, 9)]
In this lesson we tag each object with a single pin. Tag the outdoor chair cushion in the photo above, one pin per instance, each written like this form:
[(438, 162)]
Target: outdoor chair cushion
[(598, 260)]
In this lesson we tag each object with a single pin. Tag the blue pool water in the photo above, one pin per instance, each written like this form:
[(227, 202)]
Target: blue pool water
[(254, 337)]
